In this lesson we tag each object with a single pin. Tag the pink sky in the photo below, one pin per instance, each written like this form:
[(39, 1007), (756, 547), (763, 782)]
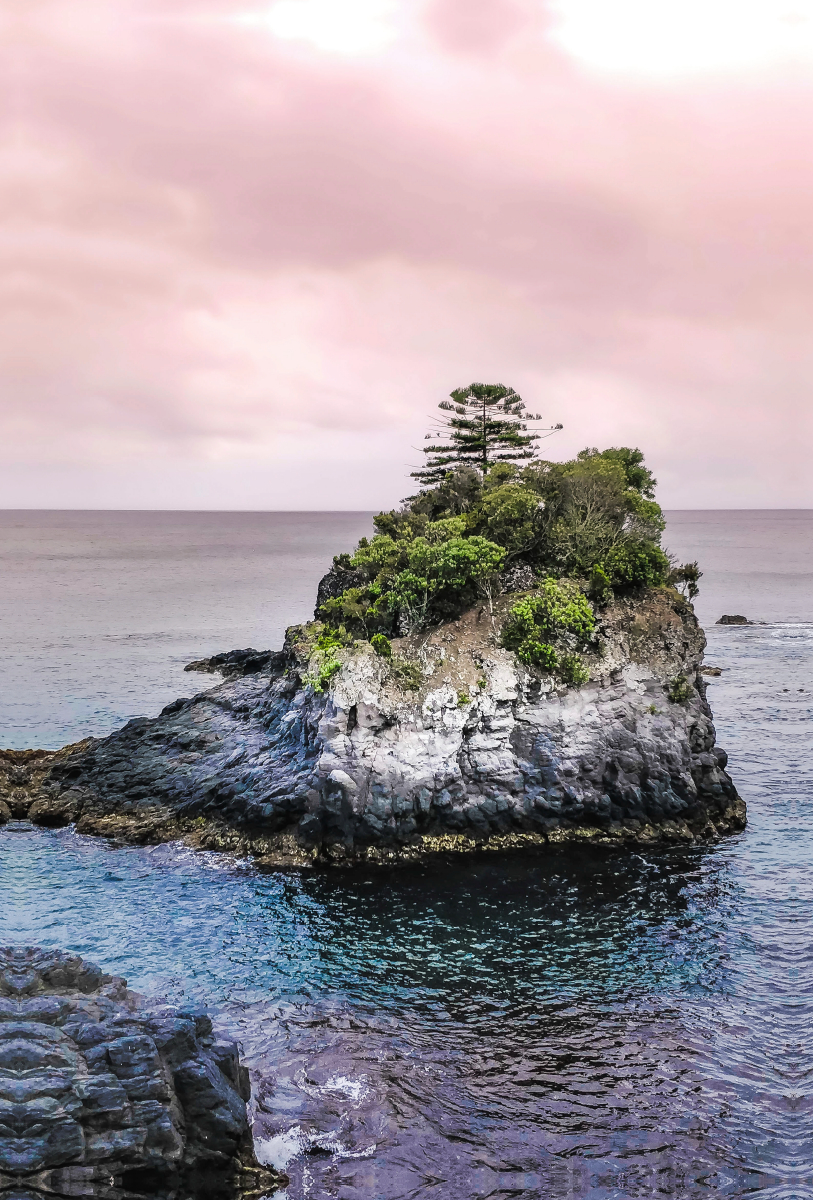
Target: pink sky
[(248, 246)]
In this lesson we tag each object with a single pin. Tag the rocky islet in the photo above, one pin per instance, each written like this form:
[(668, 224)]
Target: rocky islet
[(447, 745), (451, 745)]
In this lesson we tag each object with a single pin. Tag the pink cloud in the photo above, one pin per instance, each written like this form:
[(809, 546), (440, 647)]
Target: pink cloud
[(226, 256)]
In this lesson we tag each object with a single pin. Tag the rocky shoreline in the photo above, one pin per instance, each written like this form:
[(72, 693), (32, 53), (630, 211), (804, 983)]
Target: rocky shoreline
[(450, 746), (103, 1095)]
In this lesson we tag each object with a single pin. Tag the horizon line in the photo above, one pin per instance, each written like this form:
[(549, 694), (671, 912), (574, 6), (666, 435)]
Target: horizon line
[(325, 511)]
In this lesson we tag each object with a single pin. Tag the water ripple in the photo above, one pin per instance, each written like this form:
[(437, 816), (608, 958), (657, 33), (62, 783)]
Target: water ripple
[(606, 1026)]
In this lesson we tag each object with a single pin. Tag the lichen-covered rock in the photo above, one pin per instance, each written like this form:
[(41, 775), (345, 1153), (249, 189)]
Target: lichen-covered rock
[(450, 745), (101, 1095), (519, 577)]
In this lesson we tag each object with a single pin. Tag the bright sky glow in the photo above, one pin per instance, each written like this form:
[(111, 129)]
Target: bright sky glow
[(677, 37), (334, 26)]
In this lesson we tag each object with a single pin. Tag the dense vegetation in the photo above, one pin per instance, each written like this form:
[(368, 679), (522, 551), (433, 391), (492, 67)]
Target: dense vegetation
[(567, 535)]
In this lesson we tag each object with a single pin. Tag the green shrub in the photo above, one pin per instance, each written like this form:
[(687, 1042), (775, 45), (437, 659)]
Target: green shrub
[(634, 564), (445, 530), (536, 653), (571, 669), (462, 698), (324, 661), (680, 690), (382, 556), (686, 579), (382, 645), (638, 477), (585, 512), (535, 622), (355, 608), (599, 588), (324, 668), (334, 639), (509, 515), (559, 608), (407, 673), (442, 579)]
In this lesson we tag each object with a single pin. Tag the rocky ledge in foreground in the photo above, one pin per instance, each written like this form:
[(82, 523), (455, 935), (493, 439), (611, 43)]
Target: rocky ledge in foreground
[(101, 1096), (484, 752)]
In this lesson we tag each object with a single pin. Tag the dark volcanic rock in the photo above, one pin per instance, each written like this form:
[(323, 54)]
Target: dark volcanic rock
[(233, 664), (100, 1095), (450, 745), (337, 580), (735, 619), (519, 577)]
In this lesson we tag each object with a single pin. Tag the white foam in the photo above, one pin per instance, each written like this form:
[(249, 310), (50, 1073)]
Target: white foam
[(354, 1089), (277, 1151)]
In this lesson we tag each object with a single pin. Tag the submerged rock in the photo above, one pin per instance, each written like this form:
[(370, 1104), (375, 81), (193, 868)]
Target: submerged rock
[(102, 1095), (451, 745)]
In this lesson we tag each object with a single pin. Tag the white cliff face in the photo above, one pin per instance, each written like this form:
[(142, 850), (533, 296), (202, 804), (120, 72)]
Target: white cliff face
[(489, 748), (483, 752)]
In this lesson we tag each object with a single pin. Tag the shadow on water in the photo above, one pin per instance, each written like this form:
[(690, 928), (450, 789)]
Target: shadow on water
[(522, 930)]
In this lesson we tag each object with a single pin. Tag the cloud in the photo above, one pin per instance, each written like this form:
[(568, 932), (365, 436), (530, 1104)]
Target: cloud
[(480, 28), (229, 255)]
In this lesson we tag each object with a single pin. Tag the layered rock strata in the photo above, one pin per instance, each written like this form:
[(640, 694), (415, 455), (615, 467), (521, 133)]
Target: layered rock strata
[(101, 1095), (484, 752)]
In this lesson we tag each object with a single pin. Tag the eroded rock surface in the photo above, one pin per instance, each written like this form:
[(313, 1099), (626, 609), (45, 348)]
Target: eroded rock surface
[(484, 752), (101, 1095)]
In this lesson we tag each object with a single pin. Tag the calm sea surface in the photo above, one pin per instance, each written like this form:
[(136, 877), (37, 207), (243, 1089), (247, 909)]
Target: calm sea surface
[(570, 1025)]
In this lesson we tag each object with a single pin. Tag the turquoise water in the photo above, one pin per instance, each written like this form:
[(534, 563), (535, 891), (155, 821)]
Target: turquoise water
[(569, 1025)]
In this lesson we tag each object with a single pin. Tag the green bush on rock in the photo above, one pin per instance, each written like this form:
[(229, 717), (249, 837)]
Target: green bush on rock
[(680, 690), (441, 576), (324, 661), (686, 578), (636, 564), (558, 608), (571, 669), (406, 673), (559, 611), (382, 645), (599, 588)]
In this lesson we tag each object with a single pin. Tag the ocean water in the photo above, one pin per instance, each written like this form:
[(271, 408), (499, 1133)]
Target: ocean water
[(568, 1025), (101, 611)]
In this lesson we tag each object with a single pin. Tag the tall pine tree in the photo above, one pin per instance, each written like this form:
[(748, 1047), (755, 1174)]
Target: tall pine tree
[(486, 424)]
